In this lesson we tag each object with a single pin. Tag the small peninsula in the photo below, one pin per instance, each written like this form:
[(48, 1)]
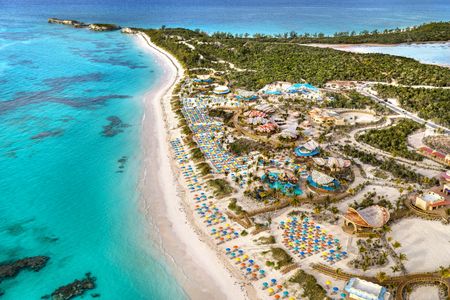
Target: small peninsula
[(78, 24)]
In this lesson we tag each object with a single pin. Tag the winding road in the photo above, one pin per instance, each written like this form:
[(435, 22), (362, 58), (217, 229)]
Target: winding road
[(364, 90)]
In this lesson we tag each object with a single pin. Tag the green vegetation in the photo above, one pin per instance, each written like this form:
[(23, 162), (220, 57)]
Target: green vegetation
[(244, 146), (266, 240), (430, 104), (437, 31), (396, 169), (312, 290), (220, 186), (371, 199), (264, 61), (220, 113), (205, 168), (197, 154), (353, 100), (234, 206), (393, 139), (281, 257), (371, 254)]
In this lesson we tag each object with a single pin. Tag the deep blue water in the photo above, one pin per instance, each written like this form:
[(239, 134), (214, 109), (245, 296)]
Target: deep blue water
[(61, 190)]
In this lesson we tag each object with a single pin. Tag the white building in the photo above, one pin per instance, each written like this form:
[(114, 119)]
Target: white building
[(359, 289)]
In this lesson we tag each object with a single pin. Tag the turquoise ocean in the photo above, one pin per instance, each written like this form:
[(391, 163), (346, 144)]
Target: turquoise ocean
[(70, 113)]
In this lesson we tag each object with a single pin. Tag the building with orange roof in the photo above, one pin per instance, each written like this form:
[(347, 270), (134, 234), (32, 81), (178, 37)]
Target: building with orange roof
[(371, 217)]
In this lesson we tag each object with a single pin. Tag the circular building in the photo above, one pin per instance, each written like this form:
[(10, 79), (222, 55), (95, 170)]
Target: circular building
[(371, 217), (221, 90), (308, 149), (322, 182)]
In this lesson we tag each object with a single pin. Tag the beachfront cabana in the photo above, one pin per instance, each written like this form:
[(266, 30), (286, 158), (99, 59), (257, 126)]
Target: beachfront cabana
[(322, 182), (374, 216), (221, 90), (308, 149), (360, 289)]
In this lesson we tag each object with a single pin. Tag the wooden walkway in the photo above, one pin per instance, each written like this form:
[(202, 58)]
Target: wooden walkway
[(400, 281)]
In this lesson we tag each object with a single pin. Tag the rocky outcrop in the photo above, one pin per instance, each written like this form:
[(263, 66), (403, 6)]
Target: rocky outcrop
[(129, 30), (78, 24), (73, 23), (11, 269), (103, 27), (76, 288)]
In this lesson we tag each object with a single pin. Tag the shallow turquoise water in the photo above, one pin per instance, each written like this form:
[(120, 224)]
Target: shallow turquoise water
[(61, 193), (438, 54)]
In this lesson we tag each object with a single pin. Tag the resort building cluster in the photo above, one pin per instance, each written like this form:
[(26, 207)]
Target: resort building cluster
[(281, 199)]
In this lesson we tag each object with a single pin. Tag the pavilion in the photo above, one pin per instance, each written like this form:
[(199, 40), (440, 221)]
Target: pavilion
[(203, 79), (308, 149), (322, 182), (434, 198), (374, 216), (221, 90), (360, 289), (245, 95), (333, 163)]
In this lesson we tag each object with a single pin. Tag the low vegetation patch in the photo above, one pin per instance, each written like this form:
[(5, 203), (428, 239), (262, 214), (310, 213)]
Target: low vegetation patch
[(220, 186), (391, 166), (204, 168), (312, 290), (244, 146), (393, 139)]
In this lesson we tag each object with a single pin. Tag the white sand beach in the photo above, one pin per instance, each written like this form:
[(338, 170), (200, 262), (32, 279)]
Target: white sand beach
[(197, 266)]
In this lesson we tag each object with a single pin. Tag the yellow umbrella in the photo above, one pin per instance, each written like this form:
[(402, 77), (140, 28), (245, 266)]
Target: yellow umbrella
[(270, 290), (327, 282)]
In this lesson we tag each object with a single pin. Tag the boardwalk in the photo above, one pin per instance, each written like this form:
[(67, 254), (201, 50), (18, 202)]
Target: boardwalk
[(400, 281)]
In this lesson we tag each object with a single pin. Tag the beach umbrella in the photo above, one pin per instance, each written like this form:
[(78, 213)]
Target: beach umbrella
[(273, 280), (270, 290), (277, 296), (343, 295), (265, 284), (335, 289)]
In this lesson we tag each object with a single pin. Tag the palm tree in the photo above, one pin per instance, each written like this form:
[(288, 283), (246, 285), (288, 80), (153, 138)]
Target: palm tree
[(381, 276), (295, 201), (402, 257), (395, 269), (444, 272)]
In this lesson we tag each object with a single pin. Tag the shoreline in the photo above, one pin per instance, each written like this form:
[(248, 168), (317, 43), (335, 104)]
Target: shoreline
[(344, 46), (197, 267), (356, 48)]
